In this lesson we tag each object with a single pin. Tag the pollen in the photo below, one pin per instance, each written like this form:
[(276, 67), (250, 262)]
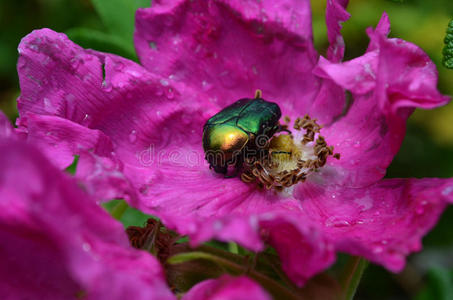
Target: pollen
[(290, 158)]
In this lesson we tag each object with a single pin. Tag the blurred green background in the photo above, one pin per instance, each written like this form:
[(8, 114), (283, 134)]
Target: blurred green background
[(427, 151)]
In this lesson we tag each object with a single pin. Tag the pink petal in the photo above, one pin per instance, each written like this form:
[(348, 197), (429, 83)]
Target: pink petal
[(6, 129), (130, 107), (49, 132), (60, 242), (330, 100), (387, 83), (227, 287), (99, 171), (383, 222), (336, 14), (227, 49)]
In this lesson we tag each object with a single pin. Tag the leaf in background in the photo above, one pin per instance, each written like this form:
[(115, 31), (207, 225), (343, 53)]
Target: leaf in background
[(119, 16), (439, 285), (448, 48), (100, 41), (72, 168), (129, 216)]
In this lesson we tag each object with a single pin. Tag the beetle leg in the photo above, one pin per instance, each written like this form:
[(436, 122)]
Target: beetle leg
[(239, 160), (281, 128)]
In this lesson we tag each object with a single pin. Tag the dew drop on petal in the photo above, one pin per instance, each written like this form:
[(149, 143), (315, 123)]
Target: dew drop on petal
[(133, 136), (86, 119), (447, 191), (86, 247), (217, 225), (153, 45), (170, 93), (378, 249), (333, 221)]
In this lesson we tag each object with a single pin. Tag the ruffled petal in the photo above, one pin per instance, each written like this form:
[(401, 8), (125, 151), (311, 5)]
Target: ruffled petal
[(387, 83), (384, 222), (227, 287), (6, 128), (103, 103), (97, 90), (330, 100), (98, 169), (336, 14), (49, 132), (227, 49), (61, 244)]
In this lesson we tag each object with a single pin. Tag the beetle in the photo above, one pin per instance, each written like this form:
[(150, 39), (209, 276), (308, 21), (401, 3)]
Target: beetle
[(238, 131)]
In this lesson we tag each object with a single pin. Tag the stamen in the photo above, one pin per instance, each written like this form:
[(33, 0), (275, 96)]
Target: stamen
[(161, 239), (258, 94), (288, 162)]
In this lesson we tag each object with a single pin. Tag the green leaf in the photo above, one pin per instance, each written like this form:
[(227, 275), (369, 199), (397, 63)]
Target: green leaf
[(439, 285), (448, 48), (97, 40), (127, 215), (118, 210), (119, 16), (72, 168)]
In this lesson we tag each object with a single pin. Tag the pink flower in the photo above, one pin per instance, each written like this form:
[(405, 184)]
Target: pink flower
[(227, 287), (58, 243), (138, 129)]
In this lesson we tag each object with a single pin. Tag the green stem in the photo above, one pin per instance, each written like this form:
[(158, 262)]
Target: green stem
[(276, 289), (233, 247), (351, 276), (119, 209)]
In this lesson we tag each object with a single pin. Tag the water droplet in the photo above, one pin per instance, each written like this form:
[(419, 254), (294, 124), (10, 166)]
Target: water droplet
[(378, 249), (205, 85), (153, 45), (217, 225), (357, 144), (133, 136), (86, 78), (86, 247), (86, 119), (170, 93), (164, 82), (119, 66), (144, 189), (447, 191), (333, 221), (420, 209)]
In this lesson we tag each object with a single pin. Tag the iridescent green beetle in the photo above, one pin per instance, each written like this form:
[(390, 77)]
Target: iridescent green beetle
[(240, 130)]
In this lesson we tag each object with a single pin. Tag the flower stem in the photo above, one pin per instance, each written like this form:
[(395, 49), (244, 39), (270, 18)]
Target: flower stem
[(275, 288), (351, 276), (119, 209), (233, 247)]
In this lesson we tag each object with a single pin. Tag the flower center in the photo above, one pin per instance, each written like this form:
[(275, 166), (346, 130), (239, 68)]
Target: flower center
[(290, 158)]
